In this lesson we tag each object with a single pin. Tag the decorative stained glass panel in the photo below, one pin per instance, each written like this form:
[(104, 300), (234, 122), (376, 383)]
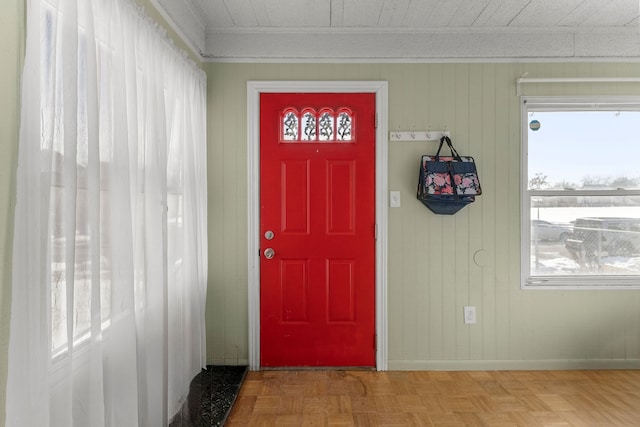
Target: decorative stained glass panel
[(309, 130), (344, 126), (326, 126), (311, 126), (290, 126)]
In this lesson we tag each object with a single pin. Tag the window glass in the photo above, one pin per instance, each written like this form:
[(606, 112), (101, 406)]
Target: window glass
[(581, 193), (584, 150), (325, 125), (289, 126), (344, 126)]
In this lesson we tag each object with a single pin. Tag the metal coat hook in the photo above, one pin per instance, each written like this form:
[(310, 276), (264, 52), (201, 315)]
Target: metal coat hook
[(414, 135)]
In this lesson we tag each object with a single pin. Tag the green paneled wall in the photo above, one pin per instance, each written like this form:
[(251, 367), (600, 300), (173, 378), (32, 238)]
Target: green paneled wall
[(11, 35), (436, 264)]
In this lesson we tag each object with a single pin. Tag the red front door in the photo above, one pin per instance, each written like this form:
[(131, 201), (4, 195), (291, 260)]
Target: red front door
[(317, 225)]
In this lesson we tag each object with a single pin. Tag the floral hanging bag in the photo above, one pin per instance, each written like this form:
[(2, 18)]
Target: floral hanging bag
[(446, 184)]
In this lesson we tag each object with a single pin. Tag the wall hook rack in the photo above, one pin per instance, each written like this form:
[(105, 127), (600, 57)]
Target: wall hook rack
[(422, 135)]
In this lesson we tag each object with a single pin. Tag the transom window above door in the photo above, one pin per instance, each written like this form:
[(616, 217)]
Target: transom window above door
[(310, 125)]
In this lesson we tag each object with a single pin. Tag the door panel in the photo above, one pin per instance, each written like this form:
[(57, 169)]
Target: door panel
[(340, 291), (317, 197), (295, 196), (295, 288), (341, 197)]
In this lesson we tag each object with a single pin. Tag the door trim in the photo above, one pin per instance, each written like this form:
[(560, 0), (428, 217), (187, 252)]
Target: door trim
[(254, 89)]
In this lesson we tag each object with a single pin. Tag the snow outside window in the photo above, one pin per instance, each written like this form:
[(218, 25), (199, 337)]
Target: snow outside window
[(580, 192)]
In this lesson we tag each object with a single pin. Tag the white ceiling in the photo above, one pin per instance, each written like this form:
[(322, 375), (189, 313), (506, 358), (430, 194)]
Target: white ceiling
[(407, 30)]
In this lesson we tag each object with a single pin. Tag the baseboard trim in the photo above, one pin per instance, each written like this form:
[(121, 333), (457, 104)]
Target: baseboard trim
[(512, 365), (228, 362)]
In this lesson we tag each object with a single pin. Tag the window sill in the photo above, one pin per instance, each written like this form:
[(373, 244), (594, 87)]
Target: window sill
[(592, 282)]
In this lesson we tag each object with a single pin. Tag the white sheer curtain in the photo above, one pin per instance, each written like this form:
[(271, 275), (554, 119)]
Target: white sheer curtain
[(109, 270)]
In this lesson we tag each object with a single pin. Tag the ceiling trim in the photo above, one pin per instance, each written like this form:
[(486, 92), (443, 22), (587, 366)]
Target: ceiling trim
[(483, 60), (631, 30), (196, 40), (399, 45), (367, 45)]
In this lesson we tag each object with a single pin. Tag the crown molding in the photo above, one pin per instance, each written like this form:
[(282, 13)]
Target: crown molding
[(413, 45), (185, 21), (398, 45)]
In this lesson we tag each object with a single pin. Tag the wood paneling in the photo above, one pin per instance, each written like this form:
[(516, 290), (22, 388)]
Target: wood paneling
[(437, 264)]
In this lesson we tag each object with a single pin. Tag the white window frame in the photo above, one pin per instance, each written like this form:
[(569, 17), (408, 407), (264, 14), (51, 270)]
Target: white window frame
[(566, 282)]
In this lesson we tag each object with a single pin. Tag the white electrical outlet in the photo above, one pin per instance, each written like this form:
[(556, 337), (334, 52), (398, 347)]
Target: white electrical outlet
[(469, 315)]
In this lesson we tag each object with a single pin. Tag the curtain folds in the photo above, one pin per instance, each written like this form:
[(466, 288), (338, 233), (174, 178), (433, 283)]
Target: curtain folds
[(110, 256)]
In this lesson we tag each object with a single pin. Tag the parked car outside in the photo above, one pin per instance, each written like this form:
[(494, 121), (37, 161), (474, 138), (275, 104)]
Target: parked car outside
[(549, 231), (594, 237)]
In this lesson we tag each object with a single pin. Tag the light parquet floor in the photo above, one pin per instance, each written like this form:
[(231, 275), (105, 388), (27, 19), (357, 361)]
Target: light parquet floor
[(434, 398)]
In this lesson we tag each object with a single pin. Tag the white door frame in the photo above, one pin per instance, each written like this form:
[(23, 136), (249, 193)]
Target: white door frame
[(254, 89)]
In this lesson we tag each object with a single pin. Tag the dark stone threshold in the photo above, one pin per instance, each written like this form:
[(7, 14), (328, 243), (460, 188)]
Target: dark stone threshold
[(211, 396)]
